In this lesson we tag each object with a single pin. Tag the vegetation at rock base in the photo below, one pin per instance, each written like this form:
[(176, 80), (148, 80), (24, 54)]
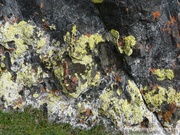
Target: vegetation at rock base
[(33, 122)]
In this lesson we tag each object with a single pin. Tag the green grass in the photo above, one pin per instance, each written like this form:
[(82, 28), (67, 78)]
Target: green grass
[(32, 122)]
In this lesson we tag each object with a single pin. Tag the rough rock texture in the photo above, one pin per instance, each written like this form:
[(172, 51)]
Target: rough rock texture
[(115, 62)]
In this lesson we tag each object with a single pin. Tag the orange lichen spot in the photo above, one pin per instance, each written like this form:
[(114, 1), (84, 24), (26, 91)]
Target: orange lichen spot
[(156, 15), (173, 19), (18, 103), (74, 79), (155, 87), (45, 25), (178, 45), (167, 116), (88, 112), (14, 20), (163, 29), (120, 43), (152, 69), (88, 35), (159, 112), (169, 23), (118, 79), (173, 107)]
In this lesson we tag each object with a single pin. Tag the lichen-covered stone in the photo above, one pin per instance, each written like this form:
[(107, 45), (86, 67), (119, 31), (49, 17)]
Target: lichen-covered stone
[(78, 63)]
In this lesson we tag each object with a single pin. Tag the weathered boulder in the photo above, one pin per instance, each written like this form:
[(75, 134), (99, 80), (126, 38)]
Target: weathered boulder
[(92, 61)]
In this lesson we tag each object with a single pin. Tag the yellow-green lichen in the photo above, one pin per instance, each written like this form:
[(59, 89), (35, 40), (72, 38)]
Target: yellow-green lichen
[(115, 35), (74, 30), (78, 52), (52, 27), (94, 80), (159, 95), (19, 33), (163, 74), (116, 108), (41, 43), (9, 89), (27, 76), (169, 74), (23, 35), (119, 92), (97, 1), (77, 46), (105, 97), (129, 42), (80, 88), (156, 99)]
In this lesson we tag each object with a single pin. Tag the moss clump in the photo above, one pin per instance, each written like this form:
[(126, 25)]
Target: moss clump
[(34, 122)]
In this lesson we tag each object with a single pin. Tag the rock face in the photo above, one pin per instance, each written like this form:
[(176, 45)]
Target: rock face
[(90, 61)]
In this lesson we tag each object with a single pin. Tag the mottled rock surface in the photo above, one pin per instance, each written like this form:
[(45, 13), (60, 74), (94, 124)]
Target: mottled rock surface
[(115, 62)]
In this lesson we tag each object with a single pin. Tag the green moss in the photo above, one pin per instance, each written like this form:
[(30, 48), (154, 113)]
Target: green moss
[(33, 122)]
